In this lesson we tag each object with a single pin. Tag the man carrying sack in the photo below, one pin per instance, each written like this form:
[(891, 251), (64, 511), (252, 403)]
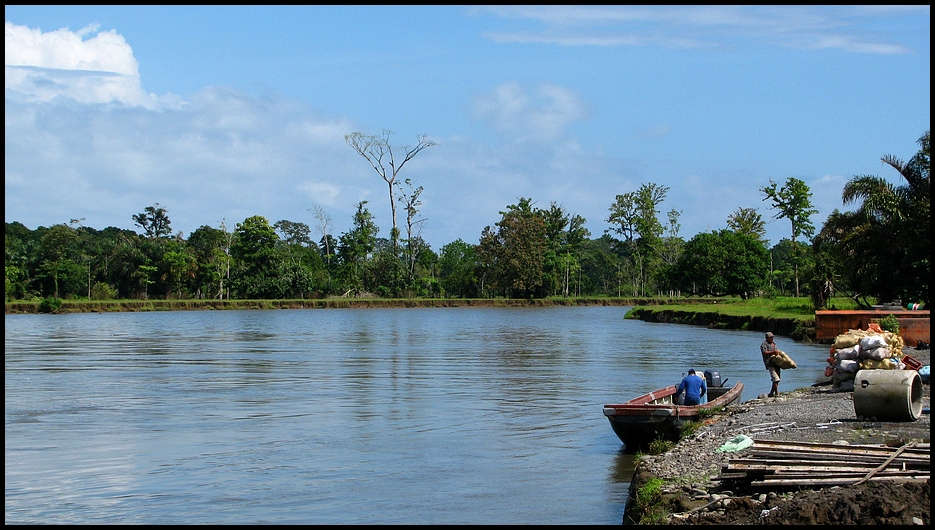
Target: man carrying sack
[(768, 350)]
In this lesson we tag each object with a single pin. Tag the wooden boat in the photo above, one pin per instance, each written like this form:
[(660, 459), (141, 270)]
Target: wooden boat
[(654, 415)]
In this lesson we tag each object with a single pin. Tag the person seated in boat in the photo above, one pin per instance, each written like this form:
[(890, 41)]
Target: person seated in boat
[(694, 388), (767, 350)]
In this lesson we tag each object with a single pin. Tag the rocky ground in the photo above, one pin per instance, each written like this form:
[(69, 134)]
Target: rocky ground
[(816, 414)]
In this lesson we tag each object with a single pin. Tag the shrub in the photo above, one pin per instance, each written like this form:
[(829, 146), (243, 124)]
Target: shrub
[(889, 323), (660, 446), (50, 304), (102, 291)]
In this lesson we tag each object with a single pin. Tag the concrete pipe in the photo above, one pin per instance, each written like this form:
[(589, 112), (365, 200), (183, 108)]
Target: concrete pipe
[(888, 395)]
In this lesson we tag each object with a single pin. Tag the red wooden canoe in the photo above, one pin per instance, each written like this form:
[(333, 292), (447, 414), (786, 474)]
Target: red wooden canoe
[(654, 415)]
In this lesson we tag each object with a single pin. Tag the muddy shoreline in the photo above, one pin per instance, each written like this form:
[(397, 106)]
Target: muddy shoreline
[(689, 493)]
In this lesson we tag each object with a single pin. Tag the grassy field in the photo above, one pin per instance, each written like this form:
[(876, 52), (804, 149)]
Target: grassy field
[(779, 307)]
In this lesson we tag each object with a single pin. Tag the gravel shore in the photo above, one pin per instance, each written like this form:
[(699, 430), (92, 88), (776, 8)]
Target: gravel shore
[(814, 414)]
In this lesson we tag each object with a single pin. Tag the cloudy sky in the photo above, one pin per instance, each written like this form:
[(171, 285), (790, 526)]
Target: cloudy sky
[(222, 113)]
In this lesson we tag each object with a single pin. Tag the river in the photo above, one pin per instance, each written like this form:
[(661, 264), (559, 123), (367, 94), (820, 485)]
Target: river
[(342, 416)]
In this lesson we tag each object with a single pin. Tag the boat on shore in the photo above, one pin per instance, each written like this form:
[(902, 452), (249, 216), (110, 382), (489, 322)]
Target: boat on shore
[(657, 414)]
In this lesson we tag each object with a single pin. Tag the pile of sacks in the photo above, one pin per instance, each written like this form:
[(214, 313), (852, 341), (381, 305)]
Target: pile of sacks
[(873, 349)]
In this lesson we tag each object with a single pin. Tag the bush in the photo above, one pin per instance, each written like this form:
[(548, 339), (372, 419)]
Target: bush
[(102, 291), (660, 446), (50, 304), (889, 323)]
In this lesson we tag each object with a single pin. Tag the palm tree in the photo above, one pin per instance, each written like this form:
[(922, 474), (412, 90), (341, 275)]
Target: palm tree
[(888, 236)]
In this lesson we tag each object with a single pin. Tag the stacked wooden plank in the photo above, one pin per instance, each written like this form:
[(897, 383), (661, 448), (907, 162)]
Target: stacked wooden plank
[(775, 464)]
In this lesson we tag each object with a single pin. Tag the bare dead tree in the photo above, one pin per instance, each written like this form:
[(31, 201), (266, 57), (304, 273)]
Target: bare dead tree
[(324, 228), (379, 152)]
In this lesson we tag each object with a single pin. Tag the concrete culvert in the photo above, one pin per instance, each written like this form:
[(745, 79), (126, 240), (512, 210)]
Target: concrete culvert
[(888, 395)]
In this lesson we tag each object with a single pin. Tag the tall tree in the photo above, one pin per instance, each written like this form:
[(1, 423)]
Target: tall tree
[(355, 246), (457, 266), (414, 243), (17, 242), (58, 252), (722, 263), (624, 213), (793, 202), (748, 221), (182, 266), (294, 233), (154, 220), (635, 214), (300, 257), (211, 247), (324, 228), (327, 243), (564, 233), (671, 250), (258, 265), (379, 152), (513, 254)]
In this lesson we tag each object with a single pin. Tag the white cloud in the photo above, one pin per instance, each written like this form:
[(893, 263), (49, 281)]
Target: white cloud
[(851, 29), (224, 155), (86, 65), (511, 110), (319, 191)]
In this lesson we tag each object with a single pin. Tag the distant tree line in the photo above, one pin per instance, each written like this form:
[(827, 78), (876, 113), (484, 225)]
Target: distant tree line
[(880, 251)]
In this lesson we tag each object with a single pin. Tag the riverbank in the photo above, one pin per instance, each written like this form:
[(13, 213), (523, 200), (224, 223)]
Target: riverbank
[(681, 485), (797, 327), (113, 306)]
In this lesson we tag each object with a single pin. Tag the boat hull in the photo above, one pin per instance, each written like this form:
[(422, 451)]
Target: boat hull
[(656, 416)]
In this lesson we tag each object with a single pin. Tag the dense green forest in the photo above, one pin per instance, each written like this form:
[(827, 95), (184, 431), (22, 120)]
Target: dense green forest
[(878, 251)]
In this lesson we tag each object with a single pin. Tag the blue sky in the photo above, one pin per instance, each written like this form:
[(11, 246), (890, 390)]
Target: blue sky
[(221, 113)]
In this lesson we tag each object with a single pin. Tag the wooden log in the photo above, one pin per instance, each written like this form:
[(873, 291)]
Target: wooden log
[(830, 481), (785, 445), (843, 457), (751, 466)]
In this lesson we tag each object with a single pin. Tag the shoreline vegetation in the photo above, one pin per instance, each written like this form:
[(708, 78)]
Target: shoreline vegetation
[(785, 316), (106, 306)]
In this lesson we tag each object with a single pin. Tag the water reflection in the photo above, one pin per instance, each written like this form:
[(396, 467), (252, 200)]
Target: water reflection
[(409, 416), (623, 468)]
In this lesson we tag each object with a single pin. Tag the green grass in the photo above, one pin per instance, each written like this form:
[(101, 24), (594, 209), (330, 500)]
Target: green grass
[(660, 446), (649, 498), (650, 491), (779, 307), (707, 413)]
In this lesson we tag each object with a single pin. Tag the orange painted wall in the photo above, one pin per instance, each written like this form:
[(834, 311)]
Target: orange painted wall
[(913, 325)]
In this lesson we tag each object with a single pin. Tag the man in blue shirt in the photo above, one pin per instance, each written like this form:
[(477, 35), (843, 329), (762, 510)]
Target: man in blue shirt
[(693, 386)]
